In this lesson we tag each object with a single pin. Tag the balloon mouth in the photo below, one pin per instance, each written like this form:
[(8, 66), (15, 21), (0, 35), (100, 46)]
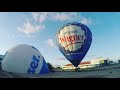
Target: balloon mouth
[(75, 62)]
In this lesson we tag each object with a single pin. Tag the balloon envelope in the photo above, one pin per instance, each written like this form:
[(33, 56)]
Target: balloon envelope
[(24, 59), (74, 40)]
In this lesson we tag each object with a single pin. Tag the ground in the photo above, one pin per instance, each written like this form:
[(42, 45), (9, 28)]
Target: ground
[(98, 73)]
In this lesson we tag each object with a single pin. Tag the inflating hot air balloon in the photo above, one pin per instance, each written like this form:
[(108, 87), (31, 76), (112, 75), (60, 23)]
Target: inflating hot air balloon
[(24, 59), (74, 40)]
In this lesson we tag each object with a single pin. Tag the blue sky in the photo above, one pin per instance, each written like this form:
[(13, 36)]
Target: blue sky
[(39, 29)]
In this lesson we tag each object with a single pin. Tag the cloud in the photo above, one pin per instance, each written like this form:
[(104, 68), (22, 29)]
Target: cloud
[(63, 16), (31, 26), (28, 28), (50, 42), (57, 16), (86, 21), (71, 16), (40, 16)]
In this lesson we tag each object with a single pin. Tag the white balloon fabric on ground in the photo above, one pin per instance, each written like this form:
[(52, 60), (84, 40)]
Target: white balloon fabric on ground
[(24, 59)]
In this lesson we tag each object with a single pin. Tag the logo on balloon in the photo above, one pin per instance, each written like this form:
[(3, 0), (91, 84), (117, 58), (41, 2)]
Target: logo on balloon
[(33, 65), (72, 39)]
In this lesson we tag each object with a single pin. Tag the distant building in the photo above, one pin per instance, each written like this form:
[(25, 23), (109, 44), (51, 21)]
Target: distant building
[(100, 62), (88, 64), (56, 66), (68, 66), (82, 65)]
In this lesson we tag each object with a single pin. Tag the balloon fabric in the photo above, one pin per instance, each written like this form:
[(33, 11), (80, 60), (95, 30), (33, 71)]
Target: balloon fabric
[(74, 40)]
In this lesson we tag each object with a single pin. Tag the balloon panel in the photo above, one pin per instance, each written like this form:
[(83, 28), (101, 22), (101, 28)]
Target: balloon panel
[(23, 59), (45, 68)]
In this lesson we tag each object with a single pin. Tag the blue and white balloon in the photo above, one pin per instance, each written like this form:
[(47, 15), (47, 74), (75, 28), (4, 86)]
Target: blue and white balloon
[(24, 59), (74, 40)]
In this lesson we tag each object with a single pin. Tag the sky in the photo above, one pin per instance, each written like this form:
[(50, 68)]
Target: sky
[(39, 30)]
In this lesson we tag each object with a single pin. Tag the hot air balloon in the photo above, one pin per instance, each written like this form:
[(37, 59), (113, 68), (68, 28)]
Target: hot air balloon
[(24, 59), (74, 40)]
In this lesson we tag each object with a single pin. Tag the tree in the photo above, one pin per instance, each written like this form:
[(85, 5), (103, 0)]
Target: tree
[(50, 67)]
